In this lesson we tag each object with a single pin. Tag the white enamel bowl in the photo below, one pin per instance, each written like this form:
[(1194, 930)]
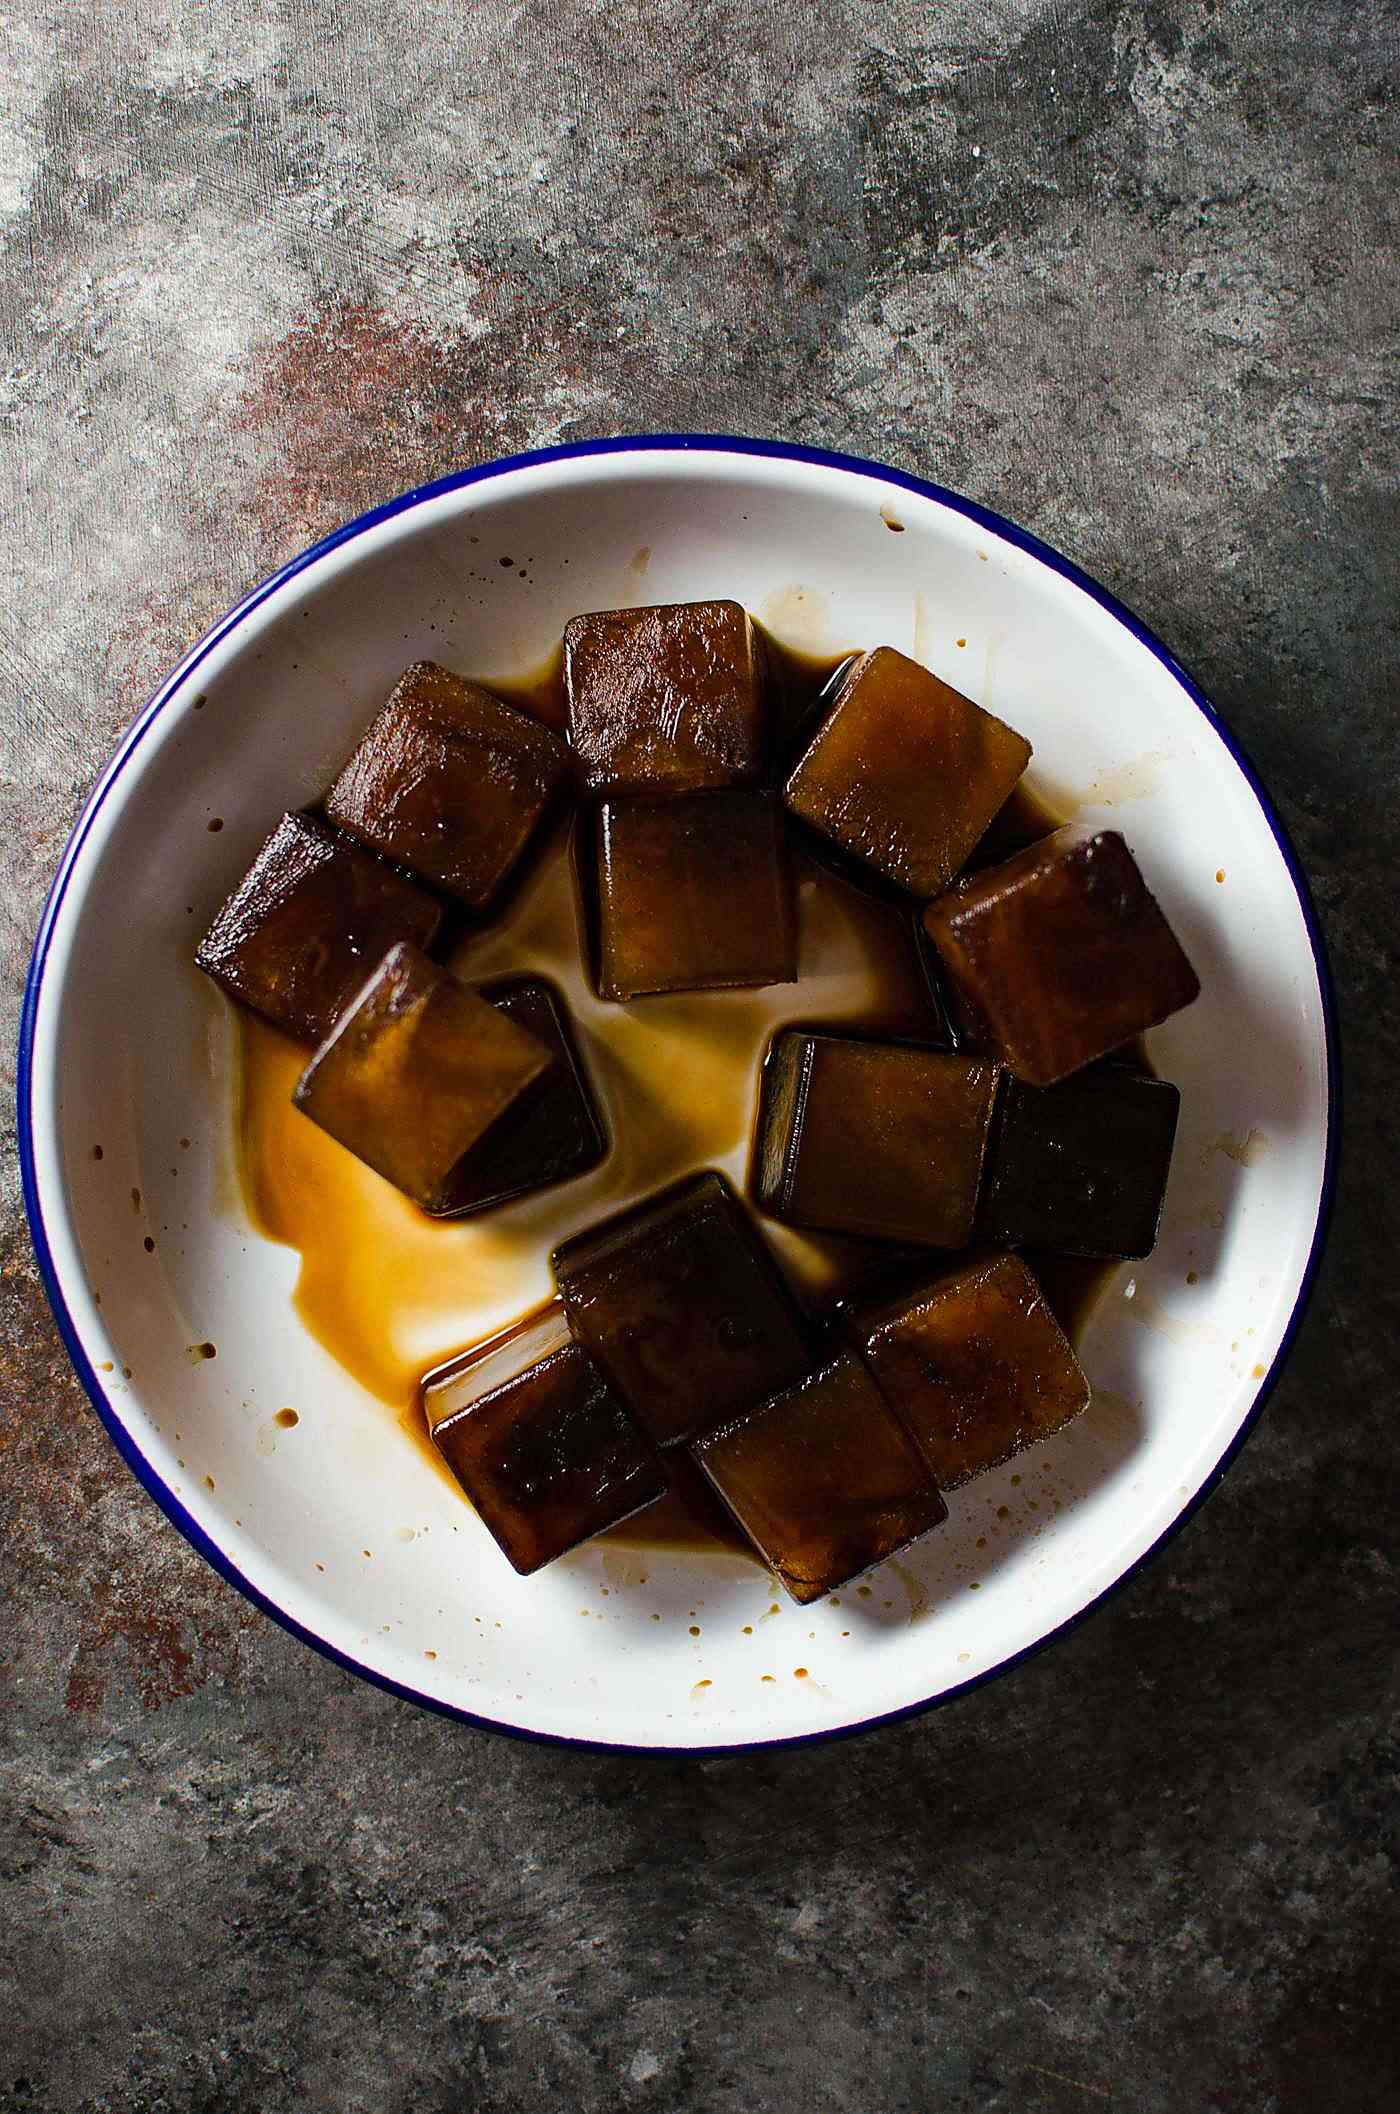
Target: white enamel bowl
[(124, 1044)]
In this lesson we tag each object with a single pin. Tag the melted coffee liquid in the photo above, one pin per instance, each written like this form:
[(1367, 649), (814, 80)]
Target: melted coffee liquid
[(391, 1293)]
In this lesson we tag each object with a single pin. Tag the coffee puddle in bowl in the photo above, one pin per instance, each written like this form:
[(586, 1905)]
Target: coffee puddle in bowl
[(389, 1292)]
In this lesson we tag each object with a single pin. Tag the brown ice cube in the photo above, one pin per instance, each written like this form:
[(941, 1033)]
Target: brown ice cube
[(694, 894), (539, 1441), (684, 1308), (881, 1139), (1081, 1167), (450, 781), (904, 773), (1060, 955), (973, 1362), (307, 923), (416, 1072), (665, 700), (553, 1134), (823, 1479)]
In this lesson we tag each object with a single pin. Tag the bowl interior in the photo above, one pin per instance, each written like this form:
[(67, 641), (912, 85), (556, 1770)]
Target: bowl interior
[(339, 1523)]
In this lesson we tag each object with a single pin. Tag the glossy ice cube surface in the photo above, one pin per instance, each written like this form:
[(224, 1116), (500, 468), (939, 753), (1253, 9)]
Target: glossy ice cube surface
[(416, 1073), (665, 700), (881, 1139), (904, 773), (684, 1308), (824, 1479), (554, 1134), (973, 1362), (1081, 1167), (539, 1441), (1059, 955), (306, 925), (693, 894), (450, 781)]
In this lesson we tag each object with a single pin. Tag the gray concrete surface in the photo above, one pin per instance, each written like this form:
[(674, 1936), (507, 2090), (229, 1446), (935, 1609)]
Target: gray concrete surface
[(1124, 268)]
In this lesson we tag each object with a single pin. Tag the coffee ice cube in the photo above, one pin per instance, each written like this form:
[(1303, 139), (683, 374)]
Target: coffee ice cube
[(684, 1308), (904, 773), (307, 923), (665, 700), (694, 894), (1081, 1167), (416, 1072), (539, 1442), (824, 1479), (554, 1134), (450, 781), (1059, 955), (973, 1362), (881, 1139)]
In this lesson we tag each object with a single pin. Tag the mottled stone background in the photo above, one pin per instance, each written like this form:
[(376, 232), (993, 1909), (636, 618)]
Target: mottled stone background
[(1124, 268)]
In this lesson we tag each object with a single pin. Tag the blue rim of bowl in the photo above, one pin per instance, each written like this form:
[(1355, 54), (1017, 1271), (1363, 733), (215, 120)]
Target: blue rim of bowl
[(679, 443)]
